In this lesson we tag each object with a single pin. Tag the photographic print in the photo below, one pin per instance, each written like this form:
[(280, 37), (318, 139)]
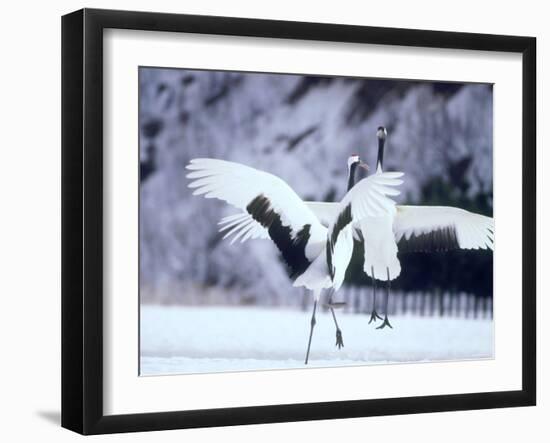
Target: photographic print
[(293, 221)]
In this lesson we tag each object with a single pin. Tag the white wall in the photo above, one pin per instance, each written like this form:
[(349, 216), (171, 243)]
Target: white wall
[(30, 233)]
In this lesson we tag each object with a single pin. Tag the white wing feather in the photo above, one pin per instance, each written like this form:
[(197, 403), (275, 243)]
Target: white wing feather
[(325, 212), (368, 198), (473, 231), (242, 226), (341, 256), (238, 185)]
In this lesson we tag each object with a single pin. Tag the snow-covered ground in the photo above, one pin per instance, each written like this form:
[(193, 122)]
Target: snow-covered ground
[(176, 339)]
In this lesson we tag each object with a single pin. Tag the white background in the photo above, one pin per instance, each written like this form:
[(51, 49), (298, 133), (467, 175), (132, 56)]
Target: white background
[(30, 235)]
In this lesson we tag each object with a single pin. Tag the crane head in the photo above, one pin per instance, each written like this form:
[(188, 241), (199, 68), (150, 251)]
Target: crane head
[(354, 159)]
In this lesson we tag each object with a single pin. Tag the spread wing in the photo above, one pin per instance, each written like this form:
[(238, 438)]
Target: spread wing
[(268, 200), (325, 212), (441, 228), (243, 227), (370, 197)]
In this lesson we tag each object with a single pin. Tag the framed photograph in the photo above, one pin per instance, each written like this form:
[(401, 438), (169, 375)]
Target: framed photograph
[(269, 221)]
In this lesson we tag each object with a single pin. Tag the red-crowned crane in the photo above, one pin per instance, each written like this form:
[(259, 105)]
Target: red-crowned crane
[(317, 255), (419, 229), (410, 229)]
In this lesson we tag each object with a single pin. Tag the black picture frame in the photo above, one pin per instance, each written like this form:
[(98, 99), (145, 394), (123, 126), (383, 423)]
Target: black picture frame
[(82, 220)]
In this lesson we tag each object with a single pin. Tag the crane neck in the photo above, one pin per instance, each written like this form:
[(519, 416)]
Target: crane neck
[(380, 161), (351, 175)]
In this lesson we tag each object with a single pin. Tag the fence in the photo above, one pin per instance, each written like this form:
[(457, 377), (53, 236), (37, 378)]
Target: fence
[(359, 300)]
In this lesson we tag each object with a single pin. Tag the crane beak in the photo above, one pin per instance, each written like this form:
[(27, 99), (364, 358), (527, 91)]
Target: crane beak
[(364, 166)]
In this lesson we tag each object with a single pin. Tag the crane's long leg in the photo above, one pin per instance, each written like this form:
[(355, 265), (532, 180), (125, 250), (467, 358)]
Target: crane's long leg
[(339, 339), (386, 321), (313, 321), (373, 315)]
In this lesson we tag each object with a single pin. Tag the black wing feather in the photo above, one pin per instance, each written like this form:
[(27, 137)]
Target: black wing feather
[(292, 248), (443, 239)]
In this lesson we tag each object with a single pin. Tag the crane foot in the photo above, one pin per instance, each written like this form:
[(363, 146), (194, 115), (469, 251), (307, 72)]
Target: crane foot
[(339, 340), (374, 316), (385, 323)]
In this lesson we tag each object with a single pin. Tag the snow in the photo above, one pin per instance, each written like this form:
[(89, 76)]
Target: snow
[(196, 339)]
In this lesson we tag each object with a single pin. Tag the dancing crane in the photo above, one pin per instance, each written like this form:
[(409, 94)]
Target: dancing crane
[(317, 257), (411, 229), (380, 259), (416, 229)]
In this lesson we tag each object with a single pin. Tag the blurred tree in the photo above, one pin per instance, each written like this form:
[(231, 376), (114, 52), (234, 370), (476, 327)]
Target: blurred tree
[(301, 128)]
